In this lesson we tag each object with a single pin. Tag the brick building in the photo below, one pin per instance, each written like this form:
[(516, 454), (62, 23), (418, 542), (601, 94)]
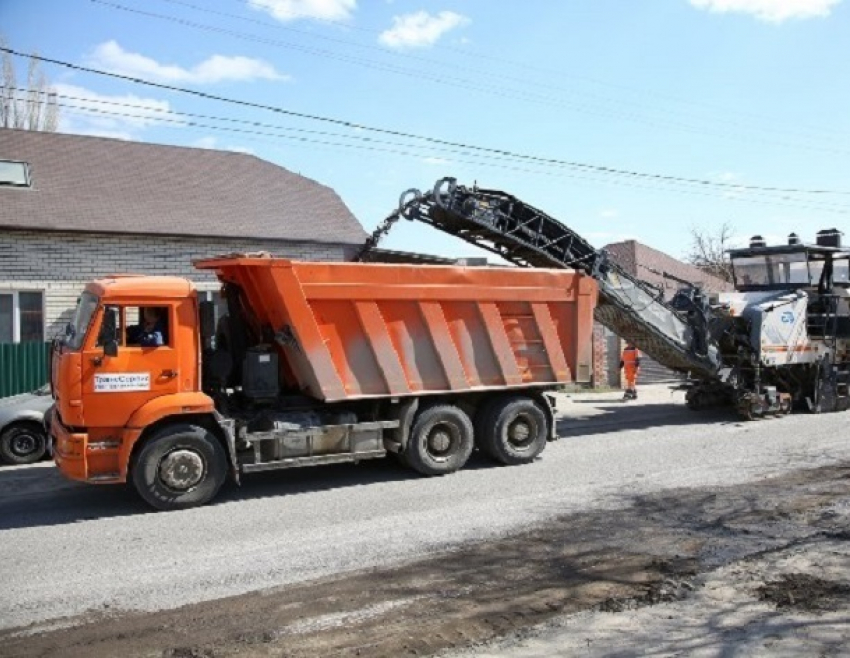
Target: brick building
[(650, 265), (74, 208)]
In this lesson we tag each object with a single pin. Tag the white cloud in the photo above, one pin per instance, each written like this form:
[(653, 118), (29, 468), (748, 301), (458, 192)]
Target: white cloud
[(773, 11), (609, 213), (291, 10), (210, 142), (90, 114), (144, 110), (204, 143), (218, 68), (420, 29)]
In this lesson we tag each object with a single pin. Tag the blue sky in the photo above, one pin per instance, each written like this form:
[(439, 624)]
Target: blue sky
[(732, 92)]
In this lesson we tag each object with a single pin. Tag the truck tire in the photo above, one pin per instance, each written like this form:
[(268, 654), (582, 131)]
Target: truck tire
[(22, 443), (440, 440), (181, 466), (513, 431)]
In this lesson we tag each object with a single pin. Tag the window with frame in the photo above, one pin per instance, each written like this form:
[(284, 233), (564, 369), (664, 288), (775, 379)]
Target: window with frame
[(140, 326), (14, 174), (21, 316), (773, 270), (118, 315)]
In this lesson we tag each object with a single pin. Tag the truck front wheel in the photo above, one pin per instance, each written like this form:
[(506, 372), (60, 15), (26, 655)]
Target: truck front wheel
[(440, 441), (513, 430), (181, 466)]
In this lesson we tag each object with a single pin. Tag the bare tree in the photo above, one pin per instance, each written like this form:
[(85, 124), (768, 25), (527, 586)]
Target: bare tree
[(8, 91), (32, 108), (708, 251)]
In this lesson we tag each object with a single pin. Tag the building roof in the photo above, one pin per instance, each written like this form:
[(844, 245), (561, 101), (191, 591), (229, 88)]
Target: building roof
[(95, 184), (645, 263)]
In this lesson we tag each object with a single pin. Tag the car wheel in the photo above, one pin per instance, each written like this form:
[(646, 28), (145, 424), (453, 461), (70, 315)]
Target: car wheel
[(24, 443)]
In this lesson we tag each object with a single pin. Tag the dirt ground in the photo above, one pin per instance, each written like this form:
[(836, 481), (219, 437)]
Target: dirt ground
[(654, 551)]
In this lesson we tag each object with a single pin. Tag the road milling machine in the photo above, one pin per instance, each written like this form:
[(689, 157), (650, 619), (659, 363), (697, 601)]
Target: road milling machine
[(781, 340)]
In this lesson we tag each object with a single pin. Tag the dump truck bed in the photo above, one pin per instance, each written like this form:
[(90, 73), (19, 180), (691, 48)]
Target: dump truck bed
[(349, 331)]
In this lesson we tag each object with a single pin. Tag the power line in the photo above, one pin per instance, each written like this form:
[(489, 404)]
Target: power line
[(443, 78), (473, 85), (423, 138), (476, 160), (258, 124), (503, 60), (470, 53)]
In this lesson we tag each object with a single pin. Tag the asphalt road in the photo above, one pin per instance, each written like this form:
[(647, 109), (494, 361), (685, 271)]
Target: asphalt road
[(69, 549)]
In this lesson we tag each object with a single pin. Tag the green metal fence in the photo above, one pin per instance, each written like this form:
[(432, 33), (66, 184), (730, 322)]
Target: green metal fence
[(23, 367)]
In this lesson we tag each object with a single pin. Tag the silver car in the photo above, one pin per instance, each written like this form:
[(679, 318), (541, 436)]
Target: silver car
[(22, 436)]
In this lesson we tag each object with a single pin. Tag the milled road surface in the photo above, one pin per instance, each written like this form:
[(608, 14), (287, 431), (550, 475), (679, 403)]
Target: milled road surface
[(73, 553)]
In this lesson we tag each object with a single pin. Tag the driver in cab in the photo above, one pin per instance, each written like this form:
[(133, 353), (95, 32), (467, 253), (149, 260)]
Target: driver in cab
[(152, 330)]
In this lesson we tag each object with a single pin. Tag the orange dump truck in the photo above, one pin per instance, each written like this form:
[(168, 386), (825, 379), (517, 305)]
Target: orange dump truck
[(313, 363)]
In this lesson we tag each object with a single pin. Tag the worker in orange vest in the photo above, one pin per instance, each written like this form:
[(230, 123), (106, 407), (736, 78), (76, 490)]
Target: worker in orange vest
[(630, 364)]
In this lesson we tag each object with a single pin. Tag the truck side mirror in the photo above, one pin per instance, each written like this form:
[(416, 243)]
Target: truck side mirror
[(110, 348), (109, 331)]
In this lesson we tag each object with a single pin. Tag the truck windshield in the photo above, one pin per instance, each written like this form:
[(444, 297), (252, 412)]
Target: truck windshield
[(780, 270), (75, 331)]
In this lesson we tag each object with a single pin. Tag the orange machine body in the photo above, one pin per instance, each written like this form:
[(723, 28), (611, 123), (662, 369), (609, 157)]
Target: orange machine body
[(352, 331)]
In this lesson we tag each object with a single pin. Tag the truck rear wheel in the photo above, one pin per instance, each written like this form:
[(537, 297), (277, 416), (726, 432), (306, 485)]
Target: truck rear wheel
[(182, 466), (440, 441), (513, 430)]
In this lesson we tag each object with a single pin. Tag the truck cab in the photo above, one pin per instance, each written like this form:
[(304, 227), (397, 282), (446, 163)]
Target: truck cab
[(109, 383)]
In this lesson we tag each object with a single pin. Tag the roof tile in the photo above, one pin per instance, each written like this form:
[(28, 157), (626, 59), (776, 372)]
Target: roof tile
[(96, 184)]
